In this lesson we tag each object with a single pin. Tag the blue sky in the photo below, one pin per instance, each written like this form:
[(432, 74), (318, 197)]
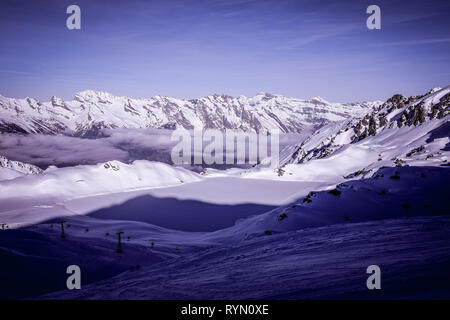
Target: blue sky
[(189, 49)]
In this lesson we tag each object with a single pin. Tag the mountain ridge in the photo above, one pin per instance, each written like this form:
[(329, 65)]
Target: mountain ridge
[(427, 113), (91, 111)]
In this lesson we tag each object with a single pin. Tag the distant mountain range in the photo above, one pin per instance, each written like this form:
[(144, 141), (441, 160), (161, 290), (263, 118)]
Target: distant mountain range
[(91, 111)]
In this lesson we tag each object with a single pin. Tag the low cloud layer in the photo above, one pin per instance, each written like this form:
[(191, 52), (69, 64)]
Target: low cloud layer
[(125, 145), (59, 150)]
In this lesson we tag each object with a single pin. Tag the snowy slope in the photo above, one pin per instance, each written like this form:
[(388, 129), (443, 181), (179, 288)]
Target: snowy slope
[(391, 192), (317, 263), (91, 111), (102, 178), (45, 192), (12, 169), (327, 234), (409, 118)]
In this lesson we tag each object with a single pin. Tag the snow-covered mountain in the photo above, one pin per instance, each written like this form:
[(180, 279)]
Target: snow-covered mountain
[(91, 111), (10, 169), (399, 129), (19, 166), (108, 177)]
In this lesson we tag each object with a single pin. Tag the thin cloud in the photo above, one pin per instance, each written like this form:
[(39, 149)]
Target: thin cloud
[(414, 42), (14, 72)]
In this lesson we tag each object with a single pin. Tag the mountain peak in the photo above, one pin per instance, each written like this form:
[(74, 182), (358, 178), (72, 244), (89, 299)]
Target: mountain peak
[(319, 99), (266, 94), (436, 89), (86, 94)]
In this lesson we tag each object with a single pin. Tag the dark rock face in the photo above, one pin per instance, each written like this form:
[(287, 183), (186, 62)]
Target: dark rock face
[(413, 115), (418, 115), (404, 117), (396, 99), (372, 126), (11, 128)]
